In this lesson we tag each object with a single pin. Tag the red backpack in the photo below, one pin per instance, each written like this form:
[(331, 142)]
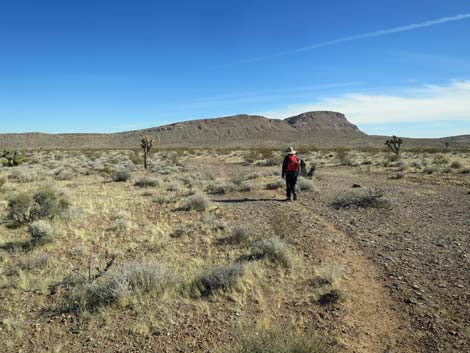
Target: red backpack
[(292, 163)]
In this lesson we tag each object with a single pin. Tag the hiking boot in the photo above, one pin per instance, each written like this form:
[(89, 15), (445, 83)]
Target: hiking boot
[(288, 198), (295, 197)]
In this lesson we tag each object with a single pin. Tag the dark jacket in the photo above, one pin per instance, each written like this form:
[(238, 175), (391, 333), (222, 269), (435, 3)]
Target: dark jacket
[(284, 166)]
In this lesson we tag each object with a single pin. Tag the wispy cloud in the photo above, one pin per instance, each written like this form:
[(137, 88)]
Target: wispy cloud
[(425, 103), (379, 33)]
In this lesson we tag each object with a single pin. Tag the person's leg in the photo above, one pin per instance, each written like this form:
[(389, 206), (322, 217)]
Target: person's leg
[(288, 185), (292, 187)]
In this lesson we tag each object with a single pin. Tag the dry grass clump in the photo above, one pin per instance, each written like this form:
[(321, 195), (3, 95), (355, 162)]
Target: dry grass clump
[(456, 165), (146, 182), (165, 199), (121, 175), (275, 250), (369, 198), (240, 235), (105, 290), (27, 207), (198, 202), (218, 278), (282, 341), (429, 170)]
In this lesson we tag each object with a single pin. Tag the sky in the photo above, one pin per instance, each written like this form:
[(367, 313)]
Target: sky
[(392, 67)]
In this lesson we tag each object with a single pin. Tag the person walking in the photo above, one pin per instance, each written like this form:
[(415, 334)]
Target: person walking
[(290, 171)]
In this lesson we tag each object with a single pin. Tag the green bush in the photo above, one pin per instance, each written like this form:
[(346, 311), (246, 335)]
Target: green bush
[(27, 207)]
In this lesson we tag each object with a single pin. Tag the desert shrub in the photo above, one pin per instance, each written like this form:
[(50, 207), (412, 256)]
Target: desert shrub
[(273, 249), (174, 186), (44, 203), (121, 175), (305, 184), (333, 296), (240, 234), (146, 277), (397, 176), (369, 198), (165, 199), (343, 157), (221, 188), (218, 278), (40, 231), (107, 289), (282, 341), (417, 164), (254, 175), (277, 184), (447, 170), (35, 262), (90, 296), (465, 171), (246, 186), (440, 160), (146, 182), (198, 202), (22, 176), (429, 170), (271, 162), (62, 174), (456, 165)]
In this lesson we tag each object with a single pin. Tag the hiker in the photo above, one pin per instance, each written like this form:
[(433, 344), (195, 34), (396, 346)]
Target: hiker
[(290, 170)]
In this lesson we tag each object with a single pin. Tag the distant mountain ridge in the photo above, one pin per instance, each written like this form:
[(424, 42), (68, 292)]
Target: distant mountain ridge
[(320, 128)]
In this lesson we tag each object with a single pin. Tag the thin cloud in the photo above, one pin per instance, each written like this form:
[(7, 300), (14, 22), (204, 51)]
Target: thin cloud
[(379, 33), (421, 104)]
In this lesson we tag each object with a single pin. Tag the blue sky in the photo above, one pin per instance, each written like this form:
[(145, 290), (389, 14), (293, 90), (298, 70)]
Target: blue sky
[(393, 67)]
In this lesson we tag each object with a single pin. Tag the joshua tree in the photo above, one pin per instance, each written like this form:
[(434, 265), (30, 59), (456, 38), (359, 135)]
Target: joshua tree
[(394, 144), (146, 145), (446, 145)]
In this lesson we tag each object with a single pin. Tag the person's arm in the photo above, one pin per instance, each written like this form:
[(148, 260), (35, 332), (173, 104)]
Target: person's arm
[(284, 167)]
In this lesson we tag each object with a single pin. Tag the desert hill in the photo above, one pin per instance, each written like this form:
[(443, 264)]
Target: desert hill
[(321, 129)]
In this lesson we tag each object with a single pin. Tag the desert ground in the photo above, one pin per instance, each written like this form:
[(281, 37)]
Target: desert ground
[(200, 252)]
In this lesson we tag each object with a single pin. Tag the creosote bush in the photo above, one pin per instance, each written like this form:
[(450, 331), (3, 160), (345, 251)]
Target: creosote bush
[(121, 175), (27, 207), (282, 341), (218, 278)]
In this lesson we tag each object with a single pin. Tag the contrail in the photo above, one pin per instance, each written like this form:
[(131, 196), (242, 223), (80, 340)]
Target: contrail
[(379, 33)]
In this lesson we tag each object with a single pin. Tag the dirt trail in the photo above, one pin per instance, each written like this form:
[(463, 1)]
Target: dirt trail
[(366, 322)]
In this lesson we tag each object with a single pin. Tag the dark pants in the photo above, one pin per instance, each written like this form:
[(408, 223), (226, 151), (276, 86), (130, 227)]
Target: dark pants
[(291, 180)]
